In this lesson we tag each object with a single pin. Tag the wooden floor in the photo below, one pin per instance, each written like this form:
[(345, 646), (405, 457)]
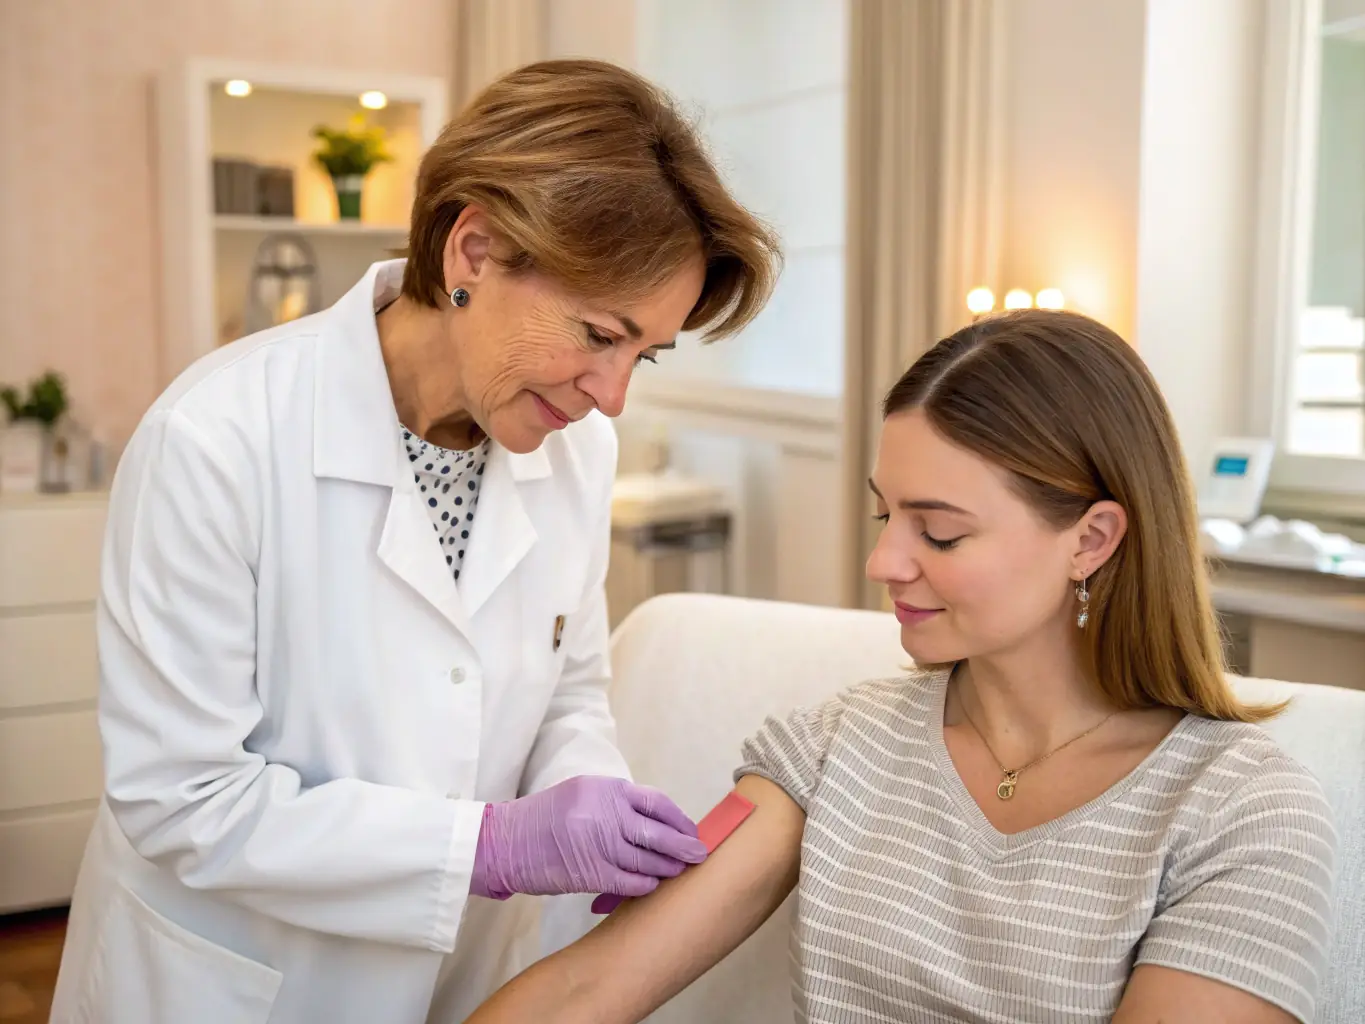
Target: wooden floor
[(30, 949)]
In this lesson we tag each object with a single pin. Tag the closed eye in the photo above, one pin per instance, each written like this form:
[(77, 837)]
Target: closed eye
[(946, 544), (599, 340), (940, 545), (596, 337)]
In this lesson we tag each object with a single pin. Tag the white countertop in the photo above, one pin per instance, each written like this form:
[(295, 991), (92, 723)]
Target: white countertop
[(1301, 598)]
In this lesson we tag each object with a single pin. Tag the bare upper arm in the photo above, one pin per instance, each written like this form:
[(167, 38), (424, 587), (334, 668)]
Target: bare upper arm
[(1165, 995), (650, 949)]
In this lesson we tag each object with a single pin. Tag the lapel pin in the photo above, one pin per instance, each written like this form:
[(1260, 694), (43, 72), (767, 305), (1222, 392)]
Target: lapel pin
[(559, 630)]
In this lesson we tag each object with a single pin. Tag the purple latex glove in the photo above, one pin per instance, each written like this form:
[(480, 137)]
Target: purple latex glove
[(587, 834)]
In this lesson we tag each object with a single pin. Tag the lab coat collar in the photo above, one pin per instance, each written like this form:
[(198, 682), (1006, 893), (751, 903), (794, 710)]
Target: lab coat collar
[(502, 532), (355, 424), (499, 537)]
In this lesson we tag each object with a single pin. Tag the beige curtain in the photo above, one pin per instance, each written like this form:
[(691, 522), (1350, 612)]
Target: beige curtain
[(923, 210), (493, 37)]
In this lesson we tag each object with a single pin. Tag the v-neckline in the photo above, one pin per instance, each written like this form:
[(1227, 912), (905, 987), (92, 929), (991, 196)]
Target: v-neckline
[(993, 843)]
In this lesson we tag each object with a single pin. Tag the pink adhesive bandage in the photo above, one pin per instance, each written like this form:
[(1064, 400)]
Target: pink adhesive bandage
[(723, 819)]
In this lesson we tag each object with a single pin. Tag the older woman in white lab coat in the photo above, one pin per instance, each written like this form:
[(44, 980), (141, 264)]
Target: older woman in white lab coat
[(352, 628)]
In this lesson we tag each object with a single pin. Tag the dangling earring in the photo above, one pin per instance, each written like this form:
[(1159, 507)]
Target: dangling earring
[(459, 297), (1083, 596)]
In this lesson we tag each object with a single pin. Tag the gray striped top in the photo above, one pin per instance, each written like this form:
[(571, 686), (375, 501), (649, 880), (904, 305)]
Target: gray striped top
[(1214, 856)]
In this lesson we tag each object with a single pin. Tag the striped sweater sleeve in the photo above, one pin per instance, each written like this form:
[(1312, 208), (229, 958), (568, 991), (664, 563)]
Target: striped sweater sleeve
[(791, 751), (1248, 902)]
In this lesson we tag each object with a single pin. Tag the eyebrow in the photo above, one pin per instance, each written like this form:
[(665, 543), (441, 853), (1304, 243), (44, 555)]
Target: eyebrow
[(632, 328), (926, 505)]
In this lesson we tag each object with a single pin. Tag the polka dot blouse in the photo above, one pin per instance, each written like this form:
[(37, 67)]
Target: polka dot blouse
[(448, 482)]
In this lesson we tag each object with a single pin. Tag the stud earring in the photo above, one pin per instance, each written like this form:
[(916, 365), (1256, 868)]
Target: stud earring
[(459, 297), (1083, 596)]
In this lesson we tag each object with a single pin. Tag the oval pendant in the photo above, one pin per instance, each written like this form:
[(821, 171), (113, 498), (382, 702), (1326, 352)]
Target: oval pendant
[(1006, 788)]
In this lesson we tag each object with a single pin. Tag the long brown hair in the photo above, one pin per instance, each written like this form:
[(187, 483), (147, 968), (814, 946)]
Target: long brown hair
[(1072, 413), (593, 178)]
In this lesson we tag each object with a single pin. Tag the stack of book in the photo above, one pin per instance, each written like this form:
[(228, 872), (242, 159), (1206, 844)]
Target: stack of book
[(246, 188)]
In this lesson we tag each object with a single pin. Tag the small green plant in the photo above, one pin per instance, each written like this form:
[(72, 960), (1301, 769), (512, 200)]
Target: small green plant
[(46, 400), (353, 150)]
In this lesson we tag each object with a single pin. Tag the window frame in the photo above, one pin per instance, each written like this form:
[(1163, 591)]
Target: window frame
[(1283, 256)]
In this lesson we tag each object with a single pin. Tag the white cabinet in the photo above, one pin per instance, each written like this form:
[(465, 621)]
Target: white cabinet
[(51, 772)]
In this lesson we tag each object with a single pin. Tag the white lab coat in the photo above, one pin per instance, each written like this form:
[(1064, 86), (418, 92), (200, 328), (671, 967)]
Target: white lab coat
[(303, 713)]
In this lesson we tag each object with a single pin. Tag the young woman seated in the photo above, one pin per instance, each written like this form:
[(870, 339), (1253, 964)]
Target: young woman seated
[(1064, 812)]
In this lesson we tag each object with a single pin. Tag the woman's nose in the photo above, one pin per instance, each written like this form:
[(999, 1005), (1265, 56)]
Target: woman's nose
[(891, 562), (607, 384)]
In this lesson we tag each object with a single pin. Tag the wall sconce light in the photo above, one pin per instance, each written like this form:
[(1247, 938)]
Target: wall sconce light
[(238, 87), (981, 301), (373, 100)]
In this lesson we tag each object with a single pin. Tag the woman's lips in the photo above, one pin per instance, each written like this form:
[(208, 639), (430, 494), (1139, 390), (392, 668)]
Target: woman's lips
[(909, 615), (555, 419)]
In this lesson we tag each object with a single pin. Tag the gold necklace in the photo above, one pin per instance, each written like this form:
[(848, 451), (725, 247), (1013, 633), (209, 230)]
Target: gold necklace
[(1005, 790)]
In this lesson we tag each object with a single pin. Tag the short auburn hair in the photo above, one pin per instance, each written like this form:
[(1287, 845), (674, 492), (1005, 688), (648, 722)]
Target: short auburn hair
[(592, 177), (1070, 411)]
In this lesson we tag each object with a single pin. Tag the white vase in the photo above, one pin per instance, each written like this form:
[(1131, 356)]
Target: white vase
[(53, 468), (21, 457)]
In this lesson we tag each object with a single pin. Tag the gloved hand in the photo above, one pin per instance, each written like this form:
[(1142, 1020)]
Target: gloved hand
[(587, 834)]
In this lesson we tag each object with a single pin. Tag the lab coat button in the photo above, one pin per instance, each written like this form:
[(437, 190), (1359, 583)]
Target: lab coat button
[(457, 675)]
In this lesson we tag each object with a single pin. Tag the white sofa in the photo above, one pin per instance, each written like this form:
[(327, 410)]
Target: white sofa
[(695, 674)]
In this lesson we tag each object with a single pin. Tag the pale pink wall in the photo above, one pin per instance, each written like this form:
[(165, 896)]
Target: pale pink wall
[(1073, 122), (78, 232)]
